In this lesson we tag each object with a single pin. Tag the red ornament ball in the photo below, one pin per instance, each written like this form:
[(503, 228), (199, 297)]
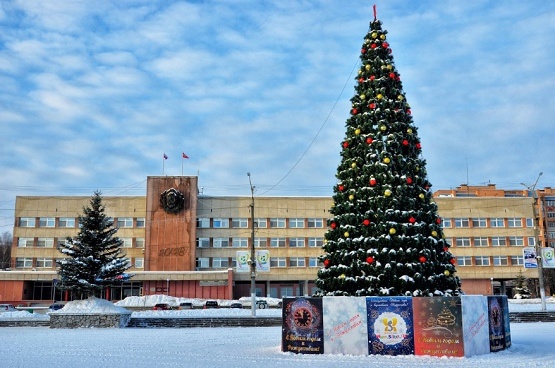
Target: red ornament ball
[(373, 181), (372, 105), (354, 111), (445, 249), (438, 220), (327, 263), (333, 225), (341, 188), (385, 45), (369, 140), (405, 142), (412, 220), (372, 77), (373, 46), (366, 222), (363, 51), (370, 259), (345, 144), (418, 145), (361, 80), (409, 180), (392, 75), (453, 261), (409, 111), (422, 259)]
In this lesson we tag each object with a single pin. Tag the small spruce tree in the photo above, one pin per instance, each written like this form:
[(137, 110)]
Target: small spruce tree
[(385, 236), (521, 287), (94, 258)]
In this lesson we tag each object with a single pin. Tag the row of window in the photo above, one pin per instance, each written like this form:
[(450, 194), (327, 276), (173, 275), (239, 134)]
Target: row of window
[(259, 242), (49, 242), (486, 261), (494, 241), (279, 262), (25, 262), (487, 222), (261, 223), (69, 222)]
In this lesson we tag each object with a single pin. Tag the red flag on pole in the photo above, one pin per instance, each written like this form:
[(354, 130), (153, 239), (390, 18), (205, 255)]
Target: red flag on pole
[(184, 155)]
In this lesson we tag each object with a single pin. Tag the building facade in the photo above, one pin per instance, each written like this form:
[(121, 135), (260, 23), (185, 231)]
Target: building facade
[(185, 245)]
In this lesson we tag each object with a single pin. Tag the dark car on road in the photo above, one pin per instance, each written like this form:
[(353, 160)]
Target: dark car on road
[(161, 306), (210, 304), (186, 305), (236, 305)]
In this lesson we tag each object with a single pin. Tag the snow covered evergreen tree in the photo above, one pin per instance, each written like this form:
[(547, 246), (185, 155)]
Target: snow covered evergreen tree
[(385, 236), (94, 257), (521, 287)]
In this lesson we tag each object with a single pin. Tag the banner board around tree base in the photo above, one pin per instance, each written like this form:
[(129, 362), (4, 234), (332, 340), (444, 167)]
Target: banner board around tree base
[(439, 326)]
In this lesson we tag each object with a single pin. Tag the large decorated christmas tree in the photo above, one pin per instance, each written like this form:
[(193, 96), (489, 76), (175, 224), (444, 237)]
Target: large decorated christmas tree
[(384, 237)]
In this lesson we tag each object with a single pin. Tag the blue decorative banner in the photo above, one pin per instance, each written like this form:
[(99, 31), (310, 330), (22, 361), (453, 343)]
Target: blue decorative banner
[(303, 327), (390, 325), (345, 328)]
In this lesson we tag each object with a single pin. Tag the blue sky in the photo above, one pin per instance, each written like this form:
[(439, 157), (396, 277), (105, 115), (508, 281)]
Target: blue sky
[(92, 94)]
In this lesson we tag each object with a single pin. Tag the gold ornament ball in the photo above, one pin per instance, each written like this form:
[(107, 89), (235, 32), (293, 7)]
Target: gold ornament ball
[(367, 67), (374, 35), (382, 37), (363, 97), (351, 197), (379, 96), (392, 231), (434, 233), (409, 131), (400, 98), (383, 128), (389, 66), (387, 193), (386, 160), (421, 196), (357, 132), (446, 272), (354, 165), (359, 72), (342, 276), (346, 234)]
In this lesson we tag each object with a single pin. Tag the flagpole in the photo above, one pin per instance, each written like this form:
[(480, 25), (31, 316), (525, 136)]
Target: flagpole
[(163, 159), (182, 159)]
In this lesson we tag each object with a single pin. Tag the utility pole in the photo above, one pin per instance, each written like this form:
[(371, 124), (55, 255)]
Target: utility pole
[(253, 259), (532, 191)]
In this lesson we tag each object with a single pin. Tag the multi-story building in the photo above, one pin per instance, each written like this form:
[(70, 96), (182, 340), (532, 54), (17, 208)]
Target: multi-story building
[(190, 250)]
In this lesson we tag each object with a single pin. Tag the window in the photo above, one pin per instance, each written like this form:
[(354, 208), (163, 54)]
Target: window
[(461, 222), (297, 262), (531, 241), (497, 241), (296, 223), (478, 222), (125, 222), (127, 242), (218, 262), (221, 223), (296, 242), (464, 261), (261, 223), (203, 242), (517, 261), (203, 222), (67, 222), (47, 222), (462, 242), (139, 262), (446, 223), (514, 222), (221, 242), (241, 223), (315, 222), (277, 262), (277, 242), (239, 242), (277, 223), (27, 222), (25, 242), (24, 262), (44, 262), (481, 261), (140, 242), (45, 243), (141, 223), (315, 242), (516, 241), (260, 242), (313, 262), (497, 222), (203, 262), (530, 222), (481, 242), (500, 261)]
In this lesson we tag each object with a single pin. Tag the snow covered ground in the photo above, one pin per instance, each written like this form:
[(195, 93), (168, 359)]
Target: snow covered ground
[(32, 347)]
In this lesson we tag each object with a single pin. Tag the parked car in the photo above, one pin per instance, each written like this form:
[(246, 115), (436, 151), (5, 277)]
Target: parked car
[(186, 305), (161, 306), (261, 304), (54, 307), (211, 304), (236, 305), (7, 308)]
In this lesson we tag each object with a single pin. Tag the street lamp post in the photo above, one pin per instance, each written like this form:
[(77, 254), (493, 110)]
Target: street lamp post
[(253, 260), (532, 191)]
